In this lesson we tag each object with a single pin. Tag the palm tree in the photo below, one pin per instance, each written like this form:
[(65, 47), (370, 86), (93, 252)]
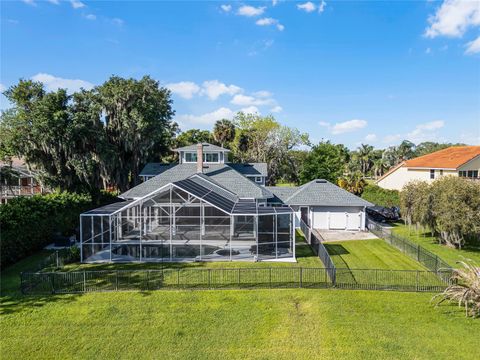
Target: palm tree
[(379, 167), (224, 131), (365, 153), (353, 182)]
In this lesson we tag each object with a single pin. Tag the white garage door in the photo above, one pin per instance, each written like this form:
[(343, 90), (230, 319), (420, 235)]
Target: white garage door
[(337, 218)]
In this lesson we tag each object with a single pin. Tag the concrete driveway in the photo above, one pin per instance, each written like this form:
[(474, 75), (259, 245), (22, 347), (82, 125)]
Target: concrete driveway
[(344, 235)]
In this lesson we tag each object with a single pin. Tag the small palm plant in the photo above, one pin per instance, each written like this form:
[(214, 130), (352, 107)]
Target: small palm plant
[(465, 289)]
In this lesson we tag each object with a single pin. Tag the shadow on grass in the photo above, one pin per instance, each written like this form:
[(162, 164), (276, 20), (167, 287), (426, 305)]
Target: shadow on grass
[(11, 304)]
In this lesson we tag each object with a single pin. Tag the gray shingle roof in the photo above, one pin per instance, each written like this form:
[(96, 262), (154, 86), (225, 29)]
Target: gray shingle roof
[(259, 169), (221, 174), (152, 169), (317, 193), (206, 147)]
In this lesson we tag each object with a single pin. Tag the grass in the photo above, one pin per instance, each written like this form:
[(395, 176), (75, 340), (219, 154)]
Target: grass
[(370, 254), (235, 324), (448, 254)]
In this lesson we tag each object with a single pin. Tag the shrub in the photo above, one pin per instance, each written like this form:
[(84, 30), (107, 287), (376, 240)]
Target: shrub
[(28, 223), (379, 196)]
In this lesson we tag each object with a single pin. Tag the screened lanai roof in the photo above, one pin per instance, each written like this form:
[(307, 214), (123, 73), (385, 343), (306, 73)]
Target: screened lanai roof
[(209, 192)]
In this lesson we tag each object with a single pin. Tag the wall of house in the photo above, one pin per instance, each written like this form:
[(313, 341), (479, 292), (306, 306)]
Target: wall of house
[(397, 179), (473, 164), (326, 217)]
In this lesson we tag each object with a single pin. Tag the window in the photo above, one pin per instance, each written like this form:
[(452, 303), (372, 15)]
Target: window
[(470, 173), (441, 172), (432, 173), (190, 157), (475, 173), (258, 179), (210, 157)]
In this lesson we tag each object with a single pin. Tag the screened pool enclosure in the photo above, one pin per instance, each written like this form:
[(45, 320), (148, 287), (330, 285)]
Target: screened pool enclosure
[(187, 220)]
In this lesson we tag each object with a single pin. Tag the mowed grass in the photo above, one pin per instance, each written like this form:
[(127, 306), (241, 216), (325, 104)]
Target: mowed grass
[(370, 254), (234, 324), (448, 254)]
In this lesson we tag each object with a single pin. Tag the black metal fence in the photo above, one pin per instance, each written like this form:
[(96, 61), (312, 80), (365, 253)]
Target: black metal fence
[(415, 251), (229, 278), (55, 260), (315, 241)]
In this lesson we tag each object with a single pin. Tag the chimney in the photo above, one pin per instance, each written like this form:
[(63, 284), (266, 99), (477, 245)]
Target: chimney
[(200, 158)]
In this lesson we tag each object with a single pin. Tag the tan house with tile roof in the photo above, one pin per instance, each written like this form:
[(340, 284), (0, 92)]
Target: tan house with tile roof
[(461, 161)]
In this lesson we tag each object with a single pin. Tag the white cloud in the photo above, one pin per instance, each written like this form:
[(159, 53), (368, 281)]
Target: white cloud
[(270, 21), (425, 131), (246, 100), (473, 47), (453, 18), (55, 2), (90, 17), (274, 2), (30, 2), (213, 89), (2, 88), (263, 93), (321, 7), (276, 109), (324, 124), (53, 83), (308, 6), (117, 21), (251, 110), (371, 137), (348, 126), (77, 4), (205, 119), (392, 139), (247, 10), (226, 8), (184, 89)]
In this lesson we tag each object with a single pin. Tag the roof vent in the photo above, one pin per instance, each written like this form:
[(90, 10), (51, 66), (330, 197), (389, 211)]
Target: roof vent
[(321, 181)]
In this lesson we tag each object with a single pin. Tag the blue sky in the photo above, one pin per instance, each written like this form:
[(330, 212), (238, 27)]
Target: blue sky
[(350, 72)]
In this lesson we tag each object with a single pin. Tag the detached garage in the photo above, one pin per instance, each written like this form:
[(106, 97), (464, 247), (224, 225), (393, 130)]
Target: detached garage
[(323, 205)]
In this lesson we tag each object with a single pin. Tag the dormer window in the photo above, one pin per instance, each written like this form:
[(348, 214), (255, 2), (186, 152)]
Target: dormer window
[(191, 157)]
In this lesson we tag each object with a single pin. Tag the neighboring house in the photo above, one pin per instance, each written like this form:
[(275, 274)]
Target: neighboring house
[(463, 161), (204, 208), (16, 179)]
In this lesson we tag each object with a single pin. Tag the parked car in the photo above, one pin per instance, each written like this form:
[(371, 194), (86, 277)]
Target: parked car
[(383, 214)]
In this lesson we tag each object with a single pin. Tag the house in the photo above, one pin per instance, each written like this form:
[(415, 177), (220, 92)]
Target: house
[(16, 179), (204, 208), (463, 161)]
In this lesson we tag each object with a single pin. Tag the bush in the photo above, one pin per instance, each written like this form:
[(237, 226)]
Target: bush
[(28, 223), (379, 196)]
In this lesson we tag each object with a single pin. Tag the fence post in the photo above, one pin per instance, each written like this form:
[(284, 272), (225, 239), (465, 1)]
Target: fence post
[(52, 281), (376, 278), (56, 256), (270, 276), (84, 282), (301, 277), (178, 277), (148, 280), (238, 277), (209, 278), (416, 282), (116, 280), (418, 253)]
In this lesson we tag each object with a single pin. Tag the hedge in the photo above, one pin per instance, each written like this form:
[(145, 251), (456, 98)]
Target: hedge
[(28, 223), (379, 196)]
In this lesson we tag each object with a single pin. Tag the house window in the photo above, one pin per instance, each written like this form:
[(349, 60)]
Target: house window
[(210, 157), (190, 157), (258, 179), (441, 172), (432, 173)]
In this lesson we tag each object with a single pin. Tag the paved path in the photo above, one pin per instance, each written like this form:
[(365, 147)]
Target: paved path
[(342, 235)]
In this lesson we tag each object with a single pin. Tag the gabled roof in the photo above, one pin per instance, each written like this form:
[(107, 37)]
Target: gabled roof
[(318, 193), (221, 174), (206, 148), (152, 169), (449, 158), (258, 169)]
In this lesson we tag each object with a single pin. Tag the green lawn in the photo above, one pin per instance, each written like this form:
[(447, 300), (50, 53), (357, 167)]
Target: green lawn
[(450, 255), (370, 254), (235, 324)]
